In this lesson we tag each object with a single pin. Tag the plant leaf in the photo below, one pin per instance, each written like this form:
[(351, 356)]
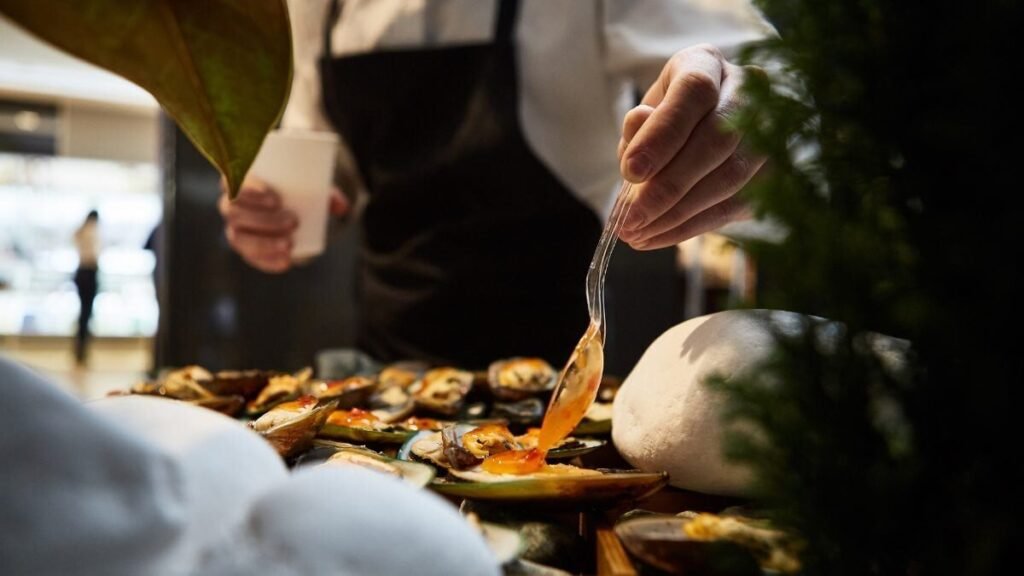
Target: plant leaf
[(221, 68)]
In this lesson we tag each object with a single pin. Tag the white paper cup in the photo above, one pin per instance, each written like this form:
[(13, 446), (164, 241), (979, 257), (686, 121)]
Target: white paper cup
[(300, 167)]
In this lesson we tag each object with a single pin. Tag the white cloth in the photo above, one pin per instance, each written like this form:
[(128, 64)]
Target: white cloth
[(136, 485), (580, 63)]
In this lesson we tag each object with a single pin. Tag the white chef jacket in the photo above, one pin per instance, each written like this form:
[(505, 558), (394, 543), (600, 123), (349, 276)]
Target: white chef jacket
[(580, 63)]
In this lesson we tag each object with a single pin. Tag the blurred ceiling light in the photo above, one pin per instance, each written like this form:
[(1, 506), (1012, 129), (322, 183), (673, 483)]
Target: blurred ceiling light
[(27, 120)]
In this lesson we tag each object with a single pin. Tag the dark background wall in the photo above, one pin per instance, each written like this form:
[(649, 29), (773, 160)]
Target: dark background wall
[(217, 311)]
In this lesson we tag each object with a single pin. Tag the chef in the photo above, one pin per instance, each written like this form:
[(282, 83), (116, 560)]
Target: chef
[(485, 135)]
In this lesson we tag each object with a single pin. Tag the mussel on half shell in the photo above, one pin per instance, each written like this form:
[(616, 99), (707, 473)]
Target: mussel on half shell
[(244, 383), (442, 390), (347, 392), (279, 389), (520, 378), (357, 425), (465, 446), (414, 473), (291, 426)]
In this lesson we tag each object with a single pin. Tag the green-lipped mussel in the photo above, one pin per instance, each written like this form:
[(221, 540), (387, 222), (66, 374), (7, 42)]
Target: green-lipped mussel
[(291, 426), (516, 379)]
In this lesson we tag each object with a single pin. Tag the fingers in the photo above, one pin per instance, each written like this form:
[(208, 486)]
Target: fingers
[(687, 90), (273, 223), (266, 253), (718, 187), (710, 146), (635, 118), (254, 193), (339, 204), (258, 227), (730, 210), (692, 164)]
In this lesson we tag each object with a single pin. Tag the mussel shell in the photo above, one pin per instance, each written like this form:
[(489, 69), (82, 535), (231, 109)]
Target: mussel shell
[(661, 542), (181, 384), (294, 436), (280, 389), (506, 382), (245, 383), (402, 374), (575, 446), (227, 405), (391, 404), (414, 473), (525, 412), (431, 455), (593, 428), (160, 388), (456, 454), (347, 392), (607, 487), (365, 435)]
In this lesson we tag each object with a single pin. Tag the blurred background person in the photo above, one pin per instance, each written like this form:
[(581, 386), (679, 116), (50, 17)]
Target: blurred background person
[(87, 242)]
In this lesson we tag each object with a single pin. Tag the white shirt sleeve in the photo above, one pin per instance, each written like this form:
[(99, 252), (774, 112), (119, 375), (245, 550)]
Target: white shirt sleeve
[(640, 36), (305, 103)]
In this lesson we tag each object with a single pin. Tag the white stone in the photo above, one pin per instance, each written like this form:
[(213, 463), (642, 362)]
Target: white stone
[(353, 521), (664, 418)]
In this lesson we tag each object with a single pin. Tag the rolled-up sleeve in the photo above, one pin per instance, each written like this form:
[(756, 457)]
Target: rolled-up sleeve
[(640, 36), (305, 103)]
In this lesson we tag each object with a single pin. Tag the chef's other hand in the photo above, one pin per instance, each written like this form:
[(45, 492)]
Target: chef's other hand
[(685, 166), (260, 228)]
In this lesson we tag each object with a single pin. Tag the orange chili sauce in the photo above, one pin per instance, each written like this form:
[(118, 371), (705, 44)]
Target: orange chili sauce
[(577, 389), (298, 404), (352, 418), (514, 462)]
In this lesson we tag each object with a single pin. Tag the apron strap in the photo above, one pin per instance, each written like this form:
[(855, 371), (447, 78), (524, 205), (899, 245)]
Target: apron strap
[(504, 23), (333, 12)]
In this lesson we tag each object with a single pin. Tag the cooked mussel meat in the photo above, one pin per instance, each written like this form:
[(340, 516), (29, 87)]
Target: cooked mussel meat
[(401, 374), (465, 446), (443, 390), (519, 378), (347, 392), (181, 384), (279, 389), (391, 403), (357, 425), (457, 455), (489, 439), (353, 458)]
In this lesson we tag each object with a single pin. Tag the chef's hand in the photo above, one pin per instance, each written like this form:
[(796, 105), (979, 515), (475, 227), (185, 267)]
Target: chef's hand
[(686, 168), (260, 228)]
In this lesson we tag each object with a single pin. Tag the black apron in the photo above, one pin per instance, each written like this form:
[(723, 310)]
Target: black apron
[(473, 250)]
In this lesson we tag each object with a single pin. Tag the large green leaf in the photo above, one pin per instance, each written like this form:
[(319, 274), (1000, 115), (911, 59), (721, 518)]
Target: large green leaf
[(221, 68)]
